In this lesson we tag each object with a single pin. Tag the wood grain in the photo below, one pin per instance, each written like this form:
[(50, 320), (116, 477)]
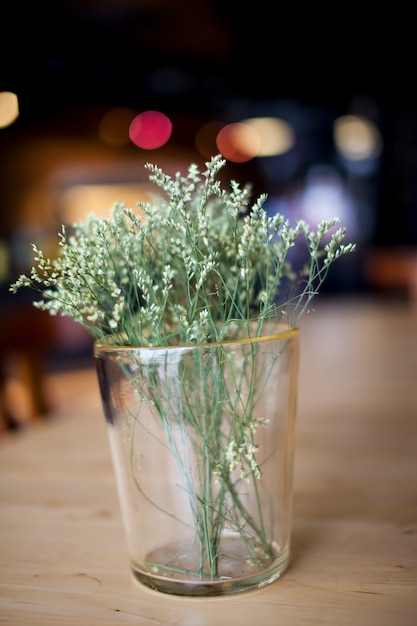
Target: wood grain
[(354, 546)]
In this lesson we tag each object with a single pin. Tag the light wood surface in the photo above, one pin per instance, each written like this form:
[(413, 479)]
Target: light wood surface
[(354, 543)]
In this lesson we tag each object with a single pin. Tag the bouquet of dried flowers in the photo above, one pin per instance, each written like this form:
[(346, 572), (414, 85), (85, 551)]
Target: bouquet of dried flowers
[(199, 264), (200, 261)]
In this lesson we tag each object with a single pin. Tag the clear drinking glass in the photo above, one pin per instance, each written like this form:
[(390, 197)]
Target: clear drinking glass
[(202, 442)]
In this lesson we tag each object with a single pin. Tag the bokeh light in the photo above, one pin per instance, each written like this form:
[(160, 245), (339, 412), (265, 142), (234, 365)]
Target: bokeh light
[(205, 139), (325, 196), (238, 142), (77, 201), (4, 261), (357, 138), (276, 135), (9, 108), (114, 126), (150, 130)]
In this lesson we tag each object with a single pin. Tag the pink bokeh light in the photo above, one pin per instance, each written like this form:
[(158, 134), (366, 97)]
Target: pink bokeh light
[(150, 130)]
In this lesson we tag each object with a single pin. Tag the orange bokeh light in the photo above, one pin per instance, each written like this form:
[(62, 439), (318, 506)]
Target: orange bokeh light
[(238, 142)]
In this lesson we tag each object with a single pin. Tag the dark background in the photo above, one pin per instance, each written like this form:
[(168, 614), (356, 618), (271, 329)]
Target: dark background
[(223, 60), (196, 56)]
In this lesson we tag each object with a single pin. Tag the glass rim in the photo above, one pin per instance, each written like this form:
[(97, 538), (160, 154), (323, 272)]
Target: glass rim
[(101, 345)]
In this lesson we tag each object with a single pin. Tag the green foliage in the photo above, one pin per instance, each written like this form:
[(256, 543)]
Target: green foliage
[(190, 267)]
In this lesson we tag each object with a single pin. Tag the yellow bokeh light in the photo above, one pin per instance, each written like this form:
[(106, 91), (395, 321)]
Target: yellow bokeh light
[(9, 108), (77, 201), (276, 135), (357, 138)]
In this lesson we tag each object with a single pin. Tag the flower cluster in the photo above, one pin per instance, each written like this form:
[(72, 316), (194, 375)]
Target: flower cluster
[(189, 267), (198, 264)]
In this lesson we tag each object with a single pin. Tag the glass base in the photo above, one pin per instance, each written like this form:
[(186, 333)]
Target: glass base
[(175, 571)]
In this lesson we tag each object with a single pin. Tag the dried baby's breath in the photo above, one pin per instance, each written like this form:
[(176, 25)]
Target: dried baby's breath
[(200, 261), (198, 264)]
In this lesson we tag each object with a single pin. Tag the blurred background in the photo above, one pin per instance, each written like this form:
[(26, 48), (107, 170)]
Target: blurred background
[(315, 106)]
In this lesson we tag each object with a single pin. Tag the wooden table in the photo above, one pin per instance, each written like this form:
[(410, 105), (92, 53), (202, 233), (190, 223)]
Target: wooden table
[(354, 558)]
